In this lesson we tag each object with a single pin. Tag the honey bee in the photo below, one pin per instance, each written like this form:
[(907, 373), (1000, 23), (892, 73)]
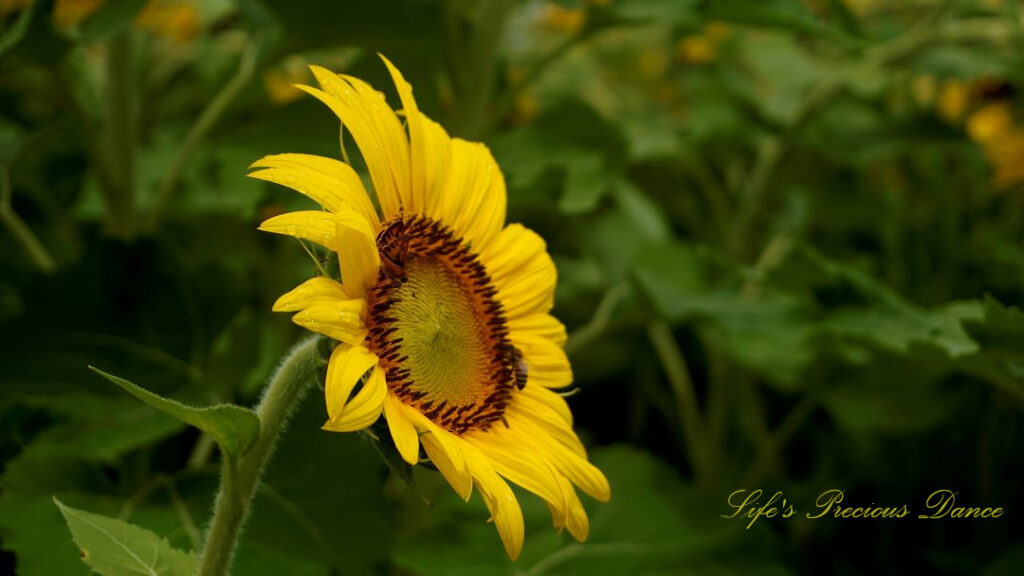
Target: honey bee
[(521, 370), (393, 243)]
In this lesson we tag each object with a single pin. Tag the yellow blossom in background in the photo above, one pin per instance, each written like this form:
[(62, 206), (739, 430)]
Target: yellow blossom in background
[(952, 100), (561, 19), (702, 48), (279, 82), (68, 14), (695, 50), (990, 122), (12, 6), (994, 128), (172, 19)]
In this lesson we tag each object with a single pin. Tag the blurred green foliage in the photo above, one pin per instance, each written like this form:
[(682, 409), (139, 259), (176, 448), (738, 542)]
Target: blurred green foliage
[(789, 237)]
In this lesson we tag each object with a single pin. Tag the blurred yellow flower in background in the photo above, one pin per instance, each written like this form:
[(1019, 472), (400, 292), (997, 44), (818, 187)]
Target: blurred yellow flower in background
[(176, 20), (172, 19), (702, 48), (68, 14), (12, 6), (561, 19), (279, 81), (994, 127)]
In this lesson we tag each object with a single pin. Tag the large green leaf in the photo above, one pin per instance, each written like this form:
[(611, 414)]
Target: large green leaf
[(234, 428), (94, 427), (113, 547)]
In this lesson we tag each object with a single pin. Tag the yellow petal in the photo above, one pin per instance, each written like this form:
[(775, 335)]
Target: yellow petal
[(364, 408), (521, 269), (547, 365), (447, 456), (357, 252), (376, 131), (317, 290), (342, 320), (547, 398), (578, 523), (437, 158), (541, 325), (314, 225), (473, 202), (539, 418), (417, 146), (574, 467), (402, 431), (449, 443), (521, 465), (500, 500), (348, 364), (329, 182)]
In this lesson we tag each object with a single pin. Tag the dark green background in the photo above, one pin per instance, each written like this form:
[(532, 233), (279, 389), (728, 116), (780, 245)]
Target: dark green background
[(783, 267)]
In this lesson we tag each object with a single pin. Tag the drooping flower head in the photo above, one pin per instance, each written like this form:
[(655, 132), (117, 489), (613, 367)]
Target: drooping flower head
[(441, 313)]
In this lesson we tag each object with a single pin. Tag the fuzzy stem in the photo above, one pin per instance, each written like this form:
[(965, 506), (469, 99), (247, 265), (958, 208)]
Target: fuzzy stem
[(240, 478)]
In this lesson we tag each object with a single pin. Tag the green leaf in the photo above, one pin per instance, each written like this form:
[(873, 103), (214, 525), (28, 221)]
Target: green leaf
[(113, 547), (858, 307), (94, 427), (234, 428), (999, 330)]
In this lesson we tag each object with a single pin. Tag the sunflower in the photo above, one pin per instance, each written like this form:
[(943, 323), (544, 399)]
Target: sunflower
[(441, 313)]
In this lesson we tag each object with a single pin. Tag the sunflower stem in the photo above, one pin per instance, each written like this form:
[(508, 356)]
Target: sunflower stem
[(240, 478)]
